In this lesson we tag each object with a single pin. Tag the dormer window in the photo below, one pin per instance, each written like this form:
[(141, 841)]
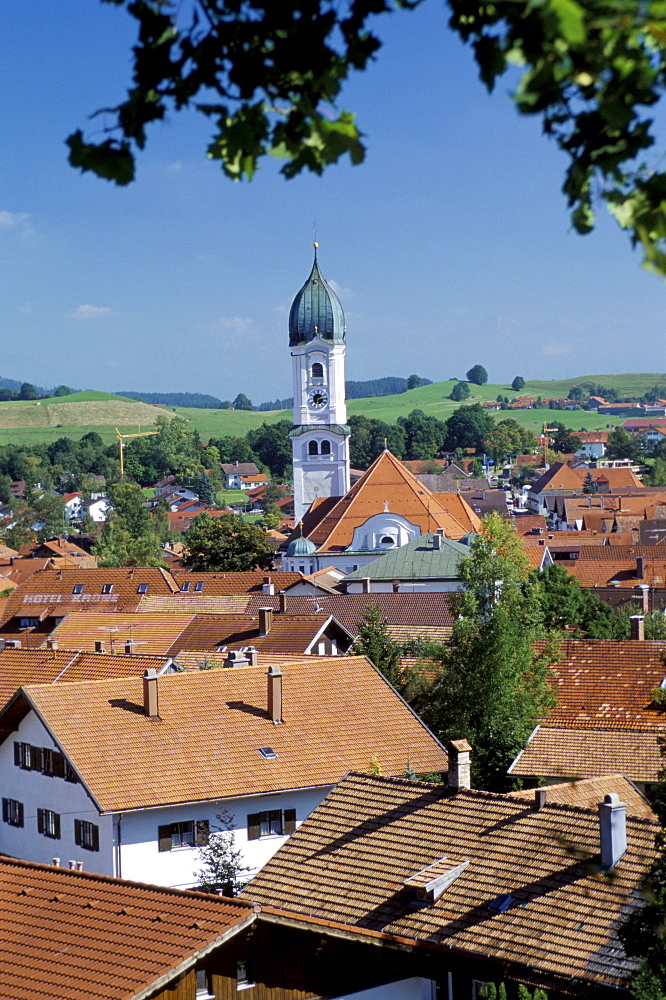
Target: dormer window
[(198, 586), (78, 588), (107, 588), (387, 540), (185, 586), (143, 588)]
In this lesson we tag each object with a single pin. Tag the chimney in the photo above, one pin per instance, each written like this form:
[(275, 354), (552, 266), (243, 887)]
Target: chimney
[(637, 623), (99, 646), (268, 587), (612, 829), (645, 598), (56, 862), (51, 643), (396, 586), (252, 655), (129, 646), (236, 658), (540, 796), (72, 865), (79, 866), (283, 603), (459, 764), (640, 567), (275, 675), (436, 542), (365, 583), (150, 705), (265, 620)]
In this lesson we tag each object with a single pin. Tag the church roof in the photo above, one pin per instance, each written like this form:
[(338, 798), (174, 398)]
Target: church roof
[(387, 480), (429, 557), (316, 311)]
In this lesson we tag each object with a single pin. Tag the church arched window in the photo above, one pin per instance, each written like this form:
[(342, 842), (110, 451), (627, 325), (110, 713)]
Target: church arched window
[(317, 370), (326, 447), (312, 448)]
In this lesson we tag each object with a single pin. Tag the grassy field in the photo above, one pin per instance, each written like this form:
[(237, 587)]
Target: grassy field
[(25, 422)]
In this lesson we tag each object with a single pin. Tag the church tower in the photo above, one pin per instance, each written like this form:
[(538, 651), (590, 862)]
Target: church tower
[(320, 436)]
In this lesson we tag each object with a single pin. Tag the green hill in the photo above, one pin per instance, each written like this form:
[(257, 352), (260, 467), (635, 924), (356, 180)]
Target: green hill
[(35, 421)]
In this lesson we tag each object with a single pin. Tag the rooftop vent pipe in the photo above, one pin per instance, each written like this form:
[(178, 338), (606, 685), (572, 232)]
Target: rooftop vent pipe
[(268, 587), (265, 620), (612, 829), (274, 675), (150, 703), (236, 658)]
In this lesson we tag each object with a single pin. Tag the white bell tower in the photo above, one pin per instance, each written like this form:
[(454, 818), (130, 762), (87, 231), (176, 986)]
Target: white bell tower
[(320, 436)]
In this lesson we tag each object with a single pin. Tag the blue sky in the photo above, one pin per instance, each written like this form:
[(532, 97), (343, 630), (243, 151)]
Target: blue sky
[(450, 246)]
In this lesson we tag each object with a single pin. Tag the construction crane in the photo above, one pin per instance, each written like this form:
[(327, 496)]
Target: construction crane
[(121, 443)]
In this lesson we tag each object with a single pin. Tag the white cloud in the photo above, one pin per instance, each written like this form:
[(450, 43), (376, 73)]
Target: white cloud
[(26, 309), (9, 220), (237, 324), (282, 309), (342, 293), (89, 312), (552, 350)]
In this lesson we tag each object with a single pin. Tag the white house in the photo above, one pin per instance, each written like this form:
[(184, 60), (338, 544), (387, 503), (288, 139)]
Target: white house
[(128, 776)]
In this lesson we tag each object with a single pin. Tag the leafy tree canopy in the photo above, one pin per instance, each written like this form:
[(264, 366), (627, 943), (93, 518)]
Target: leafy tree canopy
[(270, 74), (467, 427), (460, 391), (226, 545), (478, 375), (518, 383)]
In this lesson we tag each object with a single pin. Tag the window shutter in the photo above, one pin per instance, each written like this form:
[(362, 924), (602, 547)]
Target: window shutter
[(201, 832), (40, 821), (56, 826), (36, 759), (95, 838), (20, 814), (57, 764), (254, 826), (5, 811), (17, 754), (47, 762), (289, 821), (78, 832), (164, 837)]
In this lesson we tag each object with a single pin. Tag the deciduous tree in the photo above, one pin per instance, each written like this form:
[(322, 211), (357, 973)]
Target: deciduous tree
[(226, 545), (478, 375)]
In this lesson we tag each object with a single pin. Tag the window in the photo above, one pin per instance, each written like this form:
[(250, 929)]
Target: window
[(28, 757), (203, 984), (53, 763), (107, 588), (317, 370), (185, 586), (48, 823), (29, 623), (387, 540), (243, 981), (198, 586), (273, 823), (78, 588), (86, 835), (313, 448), (142, 588), (190, 833), (12, 812), (326, 447)]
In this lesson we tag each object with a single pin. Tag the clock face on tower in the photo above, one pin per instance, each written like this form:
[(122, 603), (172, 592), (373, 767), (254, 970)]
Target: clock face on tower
[(317, 399)]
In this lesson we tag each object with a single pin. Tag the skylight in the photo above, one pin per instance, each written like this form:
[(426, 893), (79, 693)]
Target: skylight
[(268, 753)]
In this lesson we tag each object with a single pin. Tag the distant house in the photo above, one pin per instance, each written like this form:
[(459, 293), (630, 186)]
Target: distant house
[(96, 509), (232, 472)]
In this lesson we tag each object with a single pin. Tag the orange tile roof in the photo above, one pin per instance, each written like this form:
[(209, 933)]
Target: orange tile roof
[(428, 609), (67, 934), (288, 633), (348, 862), (562, 752), (205, 743), (598, 565), (387, 480), (48, 666), (227, 584), (588, 792), (195, 603), (562, 477), (151, 633)]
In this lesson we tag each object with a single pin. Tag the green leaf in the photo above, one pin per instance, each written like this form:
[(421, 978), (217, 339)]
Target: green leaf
[(571, 18), (111, 159)]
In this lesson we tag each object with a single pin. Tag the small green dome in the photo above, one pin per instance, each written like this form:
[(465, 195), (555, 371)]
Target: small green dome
[(301, 547), (316, 311)]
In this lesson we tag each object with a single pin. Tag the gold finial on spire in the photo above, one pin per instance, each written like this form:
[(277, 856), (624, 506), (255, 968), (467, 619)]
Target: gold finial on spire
[(300, 525), (315, 244)]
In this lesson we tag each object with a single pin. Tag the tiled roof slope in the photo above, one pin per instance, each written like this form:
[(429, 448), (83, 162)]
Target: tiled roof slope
[(597, 566), (195, 603), (563, 477), (288, 633), (205, 743), (348, 862), (398, 609), (562, 752), (48, 666), (153, 634), (588, 792), (53, 590), (227, 584), (67, 935), (388, 480), (602, 684)]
